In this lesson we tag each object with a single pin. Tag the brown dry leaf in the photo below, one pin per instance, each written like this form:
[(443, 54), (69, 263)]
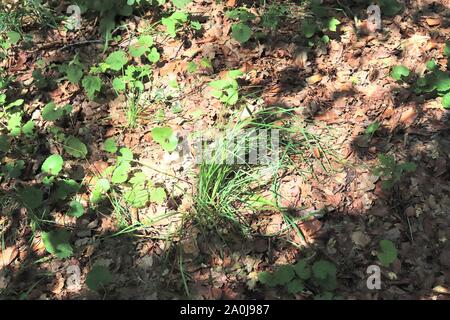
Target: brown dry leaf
[(7, 256), (330, 116), (314, 79), (311, 229), (59, 285), (98, 166), (435, 21), (20, 63), (408, 116)]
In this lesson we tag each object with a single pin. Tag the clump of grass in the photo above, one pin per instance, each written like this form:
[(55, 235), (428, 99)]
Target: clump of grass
[(232, 193)]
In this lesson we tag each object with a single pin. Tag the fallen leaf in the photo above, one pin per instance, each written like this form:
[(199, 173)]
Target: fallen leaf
[(7, 256)]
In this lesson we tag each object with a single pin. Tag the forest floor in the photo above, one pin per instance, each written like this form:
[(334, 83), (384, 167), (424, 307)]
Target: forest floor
[(333, 206)]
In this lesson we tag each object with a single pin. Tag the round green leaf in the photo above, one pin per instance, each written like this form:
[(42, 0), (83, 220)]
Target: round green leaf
[(51, 112), (75, 209), (74, 73), (241, 32), (120, 175), (57, 242), (118, 84), (399, 71), (117, 60), (53, 164), (303, 270), (110, 145), (284, 274), (309, 28), (388, 252), (98, 278), (31, 197), (154, 55), (13, 37), (165, 137), (295, 286), (157, 195), (75, 147)]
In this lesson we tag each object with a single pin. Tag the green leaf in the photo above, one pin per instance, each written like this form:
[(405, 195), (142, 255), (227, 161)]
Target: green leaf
[(191, 67), (267, 278), (51, 112), (241, 32), (408, 166), (325, 274), (101, 187), (447, 49), (141, 46), (180, 4), (16, 103), (154, 55), (13, 37), (119, 84), (14, 124), (157, 195), (372, 128), (431, 65), (322, 269), (284, 274), (240, 14), (75, 209), (57, 242), (165, 137), (442, 81), (31, 197), (399, 71), (309, 28), (302, 269), (234, 74), (28, 128), (14, 169), (120, 175), (325, 39), (126, 155), (446, 101), (92, 84), (117, 60), (196, 25), (53, 164), (390, 7), (75, 147), (388, 252), (110, 145), (65, 188), (137, 197), (333, 23), (98, 278), (295, 286), (138, 179), (74, 73), (4, 143)]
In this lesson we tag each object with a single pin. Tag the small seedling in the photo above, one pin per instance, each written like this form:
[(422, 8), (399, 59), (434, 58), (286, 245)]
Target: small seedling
[(387, 253), (166, 138), (227, 89), (392, 170)]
